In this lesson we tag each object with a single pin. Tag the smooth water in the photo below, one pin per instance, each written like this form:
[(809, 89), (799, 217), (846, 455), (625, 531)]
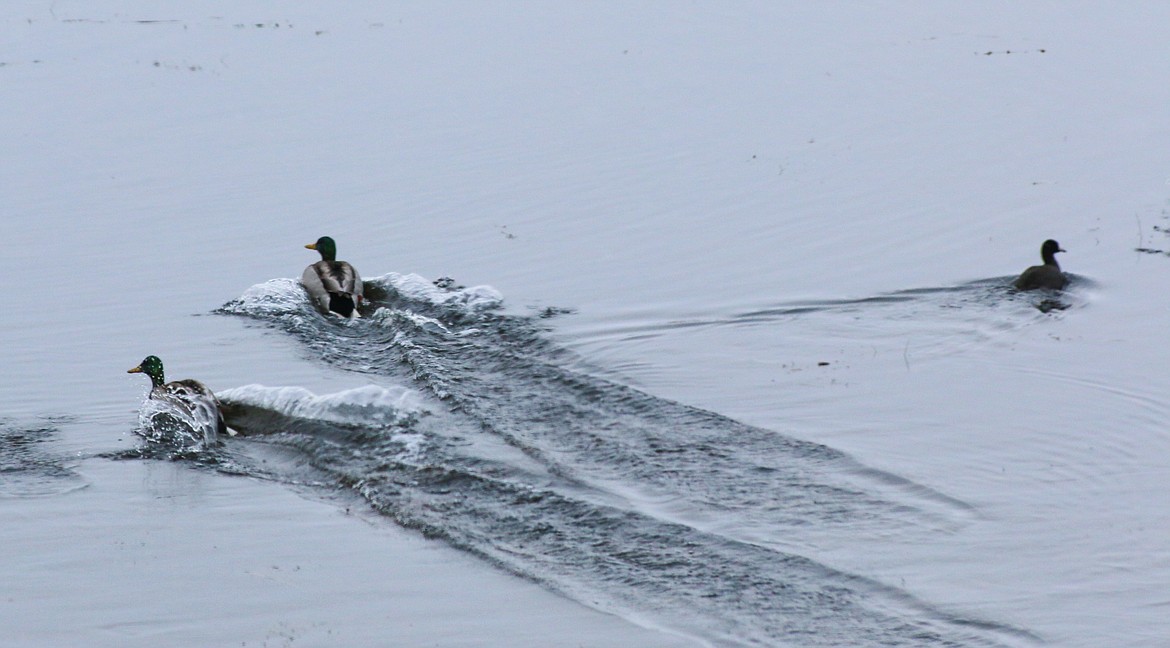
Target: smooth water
[(738, 363)]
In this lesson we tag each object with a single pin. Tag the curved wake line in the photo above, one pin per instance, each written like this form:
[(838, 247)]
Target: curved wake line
[(986, 295), (615, 559), (581, 510)]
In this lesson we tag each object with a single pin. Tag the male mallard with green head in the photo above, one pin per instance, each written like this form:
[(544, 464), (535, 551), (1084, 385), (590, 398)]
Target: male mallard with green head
[(1047, 276), (192, 397), (334, 286)]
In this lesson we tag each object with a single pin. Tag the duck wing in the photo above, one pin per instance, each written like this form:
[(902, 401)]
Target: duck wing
[(335, 277)]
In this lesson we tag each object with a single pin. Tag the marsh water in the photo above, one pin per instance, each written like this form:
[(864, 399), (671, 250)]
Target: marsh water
[(687, 326)]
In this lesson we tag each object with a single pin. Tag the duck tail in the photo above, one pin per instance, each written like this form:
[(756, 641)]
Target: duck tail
[(341, 303)]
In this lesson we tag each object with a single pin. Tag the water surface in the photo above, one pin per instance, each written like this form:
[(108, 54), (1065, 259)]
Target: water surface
[(784, 395)]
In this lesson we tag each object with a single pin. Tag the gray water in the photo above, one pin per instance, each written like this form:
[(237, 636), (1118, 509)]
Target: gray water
[(616, 497), (738, 363)]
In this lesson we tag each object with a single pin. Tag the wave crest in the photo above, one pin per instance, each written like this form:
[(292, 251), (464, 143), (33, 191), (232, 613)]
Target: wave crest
[(369, 406), (475, 299)]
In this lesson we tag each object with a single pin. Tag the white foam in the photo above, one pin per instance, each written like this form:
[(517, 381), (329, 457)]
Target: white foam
[(165, 422), (391, 317), (368, 405), (418, 288), (274, 297)]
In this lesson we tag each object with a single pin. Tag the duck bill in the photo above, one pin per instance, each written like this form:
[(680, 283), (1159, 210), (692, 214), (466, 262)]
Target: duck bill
[(137, 369), (311, 246)]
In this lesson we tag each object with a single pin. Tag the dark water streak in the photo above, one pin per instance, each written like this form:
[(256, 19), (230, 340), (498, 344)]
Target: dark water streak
[(28, 466), (565, 527)]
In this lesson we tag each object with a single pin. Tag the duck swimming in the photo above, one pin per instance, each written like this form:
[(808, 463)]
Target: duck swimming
[(191, 397), (333, 285), (1047, 276)]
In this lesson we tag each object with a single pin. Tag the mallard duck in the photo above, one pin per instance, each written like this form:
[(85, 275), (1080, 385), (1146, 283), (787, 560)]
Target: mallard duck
[(191, 397), (1047, 276), (333, 285)]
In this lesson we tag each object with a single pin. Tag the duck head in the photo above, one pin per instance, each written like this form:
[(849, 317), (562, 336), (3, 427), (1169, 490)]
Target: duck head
[(152, 367), (326, 247), (1048, 251)]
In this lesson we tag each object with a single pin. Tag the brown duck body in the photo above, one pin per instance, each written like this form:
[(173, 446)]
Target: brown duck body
[(1048, 276)]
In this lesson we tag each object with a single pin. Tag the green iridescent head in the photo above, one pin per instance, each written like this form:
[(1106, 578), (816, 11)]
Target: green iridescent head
[(152, 367), (326, 247)]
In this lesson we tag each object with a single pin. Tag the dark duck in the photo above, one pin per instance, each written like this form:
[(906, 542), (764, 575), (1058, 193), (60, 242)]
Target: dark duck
[(1047, 276)]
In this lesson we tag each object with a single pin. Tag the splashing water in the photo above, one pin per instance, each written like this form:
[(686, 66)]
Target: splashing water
[(632, 503), (181, 428)]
